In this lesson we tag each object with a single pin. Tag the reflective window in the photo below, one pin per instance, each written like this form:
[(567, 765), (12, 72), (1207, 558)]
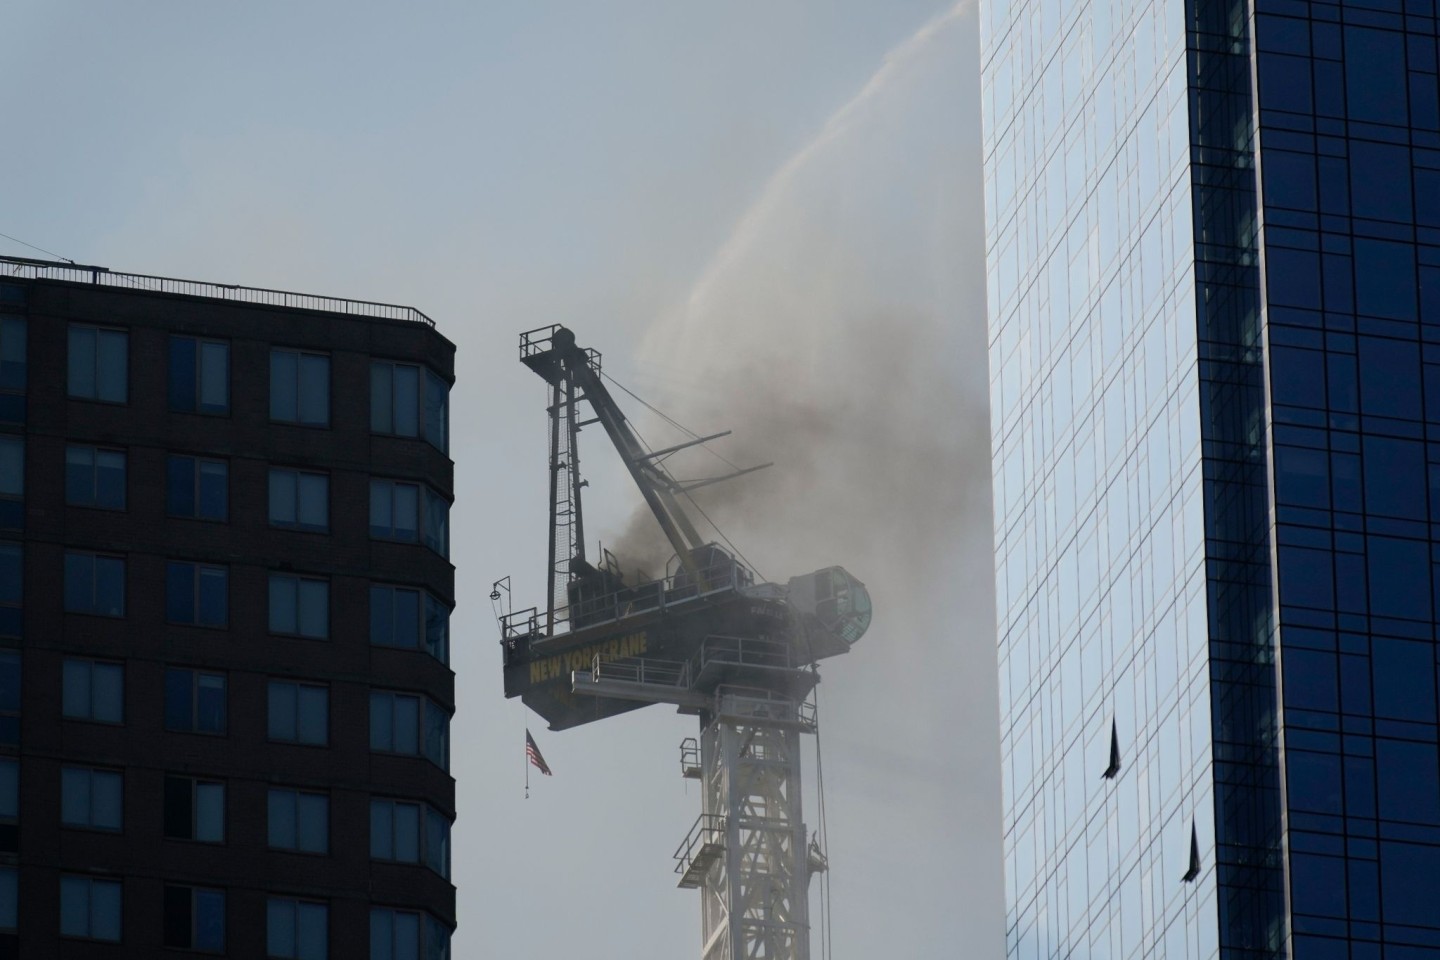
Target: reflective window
[(197, 593), (299, 499), (396, 620), (93, 690), (397, 406), (409, 724), (296, 929), (300, 387), (194, 809), (94, 477), (410, 833), (11, 588), (9, 696), (12, 483), (91, 798), (90, 908), (9, 897), (12, 369), (199, 375), (299, 821), (98, 363), (299, 606), (197, 488), (195, 701), (409, 512), (299, 712), (194, 919), (9, 789), (94, 584)]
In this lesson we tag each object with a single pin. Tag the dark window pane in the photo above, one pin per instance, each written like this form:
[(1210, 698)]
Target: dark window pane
[(1408, 776), (1284, 83), (180, 592), (182, 374), (180, 486), (179, 703), (1375, 75), (1385, 279), (1395, 478), (1314, 782), (1399, 577), (1306, 578), (1404, 679), (1293, 277), (1380, 181), (1317, 885), (1310, 680), (1390, 377)]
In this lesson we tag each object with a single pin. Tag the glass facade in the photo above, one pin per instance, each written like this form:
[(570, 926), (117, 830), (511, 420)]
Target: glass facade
[(1213, 255)]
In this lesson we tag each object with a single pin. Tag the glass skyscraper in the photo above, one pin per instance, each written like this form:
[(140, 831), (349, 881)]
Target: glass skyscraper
[(1213, 254)]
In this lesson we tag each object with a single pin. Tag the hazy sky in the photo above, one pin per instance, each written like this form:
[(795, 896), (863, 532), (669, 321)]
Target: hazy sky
[(765, 225)]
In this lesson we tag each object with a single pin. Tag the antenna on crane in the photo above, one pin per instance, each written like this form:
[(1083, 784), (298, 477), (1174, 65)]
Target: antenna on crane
[(738, 655)]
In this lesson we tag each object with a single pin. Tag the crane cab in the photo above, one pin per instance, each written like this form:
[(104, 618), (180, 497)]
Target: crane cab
[(833, 607)]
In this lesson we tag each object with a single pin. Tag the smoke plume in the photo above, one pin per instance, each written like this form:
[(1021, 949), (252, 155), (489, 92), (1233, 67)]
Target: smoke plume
[(840, 332)]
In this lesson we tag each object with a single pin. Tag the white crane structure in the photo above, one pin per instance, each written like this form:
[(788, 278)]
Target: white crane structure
[(705, 638)]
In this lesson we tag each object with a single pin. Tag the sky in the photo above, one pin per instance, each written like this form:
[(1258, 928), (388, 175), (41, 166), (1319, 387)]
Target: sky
[(767, 217)]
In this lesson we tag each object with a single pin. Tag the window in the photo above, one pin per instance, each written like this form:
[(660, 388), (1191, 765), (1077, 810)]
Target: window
[(396, 621), (406, 935), (197, 488), (12, 369), (9, 898), (93, 799), (94, 477), (9, 696), (395, 727), (90, 908), (394, 510), (9, 805), (410, 833), (296, 929), (11, 591), (199, 375), (194, 810), (98, 361), (299, 606), (94, 584), (395, 402), (195, 918), (300, 388), (12, 483), (397, 510), (194, 701), (299, 712), (299, 821), (299, 500), (92, 690), (197, 593)]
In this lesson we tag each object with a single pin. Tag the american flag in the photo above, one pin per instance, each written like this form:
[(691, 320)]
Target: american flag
[(533, 753)]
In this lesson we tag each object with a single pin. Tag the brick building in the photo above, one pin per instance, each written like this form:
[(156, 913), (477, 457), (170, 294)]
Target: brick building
[(224, 603)]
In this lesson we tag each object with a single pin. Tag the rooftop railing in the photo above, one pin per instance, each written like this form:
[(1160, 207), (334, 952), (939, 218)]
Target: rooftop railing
[(28, 269)]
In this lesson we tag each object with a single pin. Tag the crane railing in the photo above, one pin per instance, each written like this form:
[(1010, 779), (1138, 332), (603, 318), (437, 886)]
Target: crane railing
[(721, 576), (669, 673), (701, 845)]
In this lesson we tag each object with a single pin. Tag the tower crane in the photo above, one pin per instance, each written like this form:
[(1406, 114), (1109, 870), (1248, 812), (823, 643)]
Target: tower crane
[(706, 638)]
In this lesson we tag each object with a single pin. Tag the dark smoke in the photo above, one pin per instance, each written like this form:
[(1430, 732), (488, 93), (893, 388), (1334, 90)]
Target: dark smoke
[(879, 455)]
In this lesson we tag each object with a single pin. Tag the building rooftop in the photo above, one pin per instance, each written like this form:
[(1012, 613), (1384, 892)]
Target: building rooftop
[(26, 268)]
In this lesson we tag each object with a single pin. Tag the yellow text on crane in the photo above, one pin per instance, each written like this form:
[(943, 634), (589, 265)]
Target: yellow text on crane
[(583, 658)]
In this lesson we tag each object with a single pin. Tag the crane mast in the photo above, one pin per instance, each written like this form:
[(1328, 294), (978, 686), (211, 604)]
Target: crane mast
[(706, 638)]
